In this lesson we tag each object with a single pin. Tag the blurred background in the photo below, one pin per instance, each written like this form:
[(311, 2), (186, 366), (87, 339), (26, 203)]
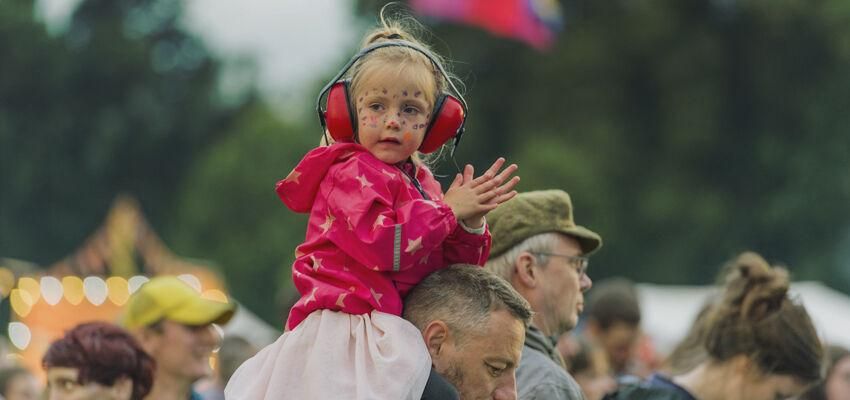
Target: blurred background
[(145, 136)]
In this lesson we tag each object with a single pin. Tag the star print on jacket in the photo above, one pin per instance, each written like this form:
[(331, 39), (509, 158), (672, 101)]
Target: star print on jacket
[(379, 221), (293, 177), (391, 238), (413, 245), (329, 222), (364, 182)]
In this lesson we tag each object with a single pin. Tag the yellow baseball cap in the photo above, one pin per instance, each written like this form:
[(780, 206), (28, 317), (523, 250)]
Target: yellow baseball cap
[(168, 297)]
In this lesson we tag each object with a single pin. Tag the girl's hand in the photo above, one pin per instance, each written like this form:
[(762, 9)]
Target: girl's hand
[(471, 199)]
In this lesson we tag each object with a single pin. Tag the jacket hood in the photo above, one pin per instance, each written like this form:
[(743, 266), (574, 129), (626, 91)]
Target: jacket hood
[(298, 190)]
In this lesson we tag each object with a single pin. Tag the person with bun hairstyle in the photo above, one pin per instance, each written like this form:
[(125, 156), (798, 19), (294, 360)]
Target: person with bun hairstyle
[(378, 224), (759, 343), (98, 361)]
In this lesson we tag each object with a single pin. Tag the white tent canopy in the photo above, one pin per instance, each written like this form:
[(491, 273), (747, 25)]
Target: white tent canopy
[(668, 311), (249, 326)]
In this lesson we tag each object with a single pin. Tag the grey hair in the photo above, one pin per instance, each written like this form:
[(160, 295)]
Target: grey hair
[(503, 265), (463, 296)]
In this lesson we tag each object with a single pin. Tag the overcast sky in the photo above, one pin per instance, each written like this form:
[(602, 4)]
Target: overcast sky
[(293, 41)]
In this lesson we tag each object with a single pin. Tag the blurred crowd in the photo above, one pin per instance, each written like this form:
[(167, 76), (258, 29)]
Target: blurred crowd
[(752, 341)]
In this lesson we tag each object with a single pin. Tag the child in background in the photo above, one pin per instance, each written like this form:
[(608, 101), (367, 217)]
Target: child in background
[(379, 224)]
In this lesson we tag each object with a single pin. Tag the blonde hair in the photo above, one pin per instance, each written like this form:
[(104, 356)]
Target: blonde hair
[(399, 60)]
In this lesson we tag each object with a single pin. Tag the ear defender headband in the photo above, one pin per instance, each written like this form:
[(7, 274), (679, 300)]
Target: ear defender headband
[(338, 118)]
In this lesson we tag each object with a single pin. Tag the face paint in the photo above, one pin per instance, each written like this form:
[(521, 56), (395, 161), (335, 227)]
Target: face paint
[(388, 106)]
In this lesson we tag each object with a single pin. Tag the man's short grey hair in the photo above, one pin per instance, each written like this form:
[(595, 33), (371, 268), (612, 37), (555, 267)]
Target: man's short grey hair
[(503, 265), (463, 296)]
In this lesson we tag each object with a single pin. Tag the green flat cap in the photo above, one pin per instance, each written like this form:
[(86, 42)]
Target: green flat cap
[(533, 213)]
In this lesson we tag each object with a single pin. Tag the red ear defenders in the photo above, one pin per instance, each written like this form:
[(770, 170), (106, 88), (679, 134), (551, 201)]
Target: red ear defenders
[(338, 118)]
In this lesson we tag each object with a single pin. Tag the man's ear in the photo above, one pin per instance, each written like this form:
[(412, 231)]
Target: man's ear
[(435, 334), (122, 388), (524, 271)]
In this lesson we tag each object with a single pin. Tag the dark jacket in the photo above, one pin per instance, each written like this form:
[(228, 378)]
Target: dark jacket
[(657, 387), (438, 388)]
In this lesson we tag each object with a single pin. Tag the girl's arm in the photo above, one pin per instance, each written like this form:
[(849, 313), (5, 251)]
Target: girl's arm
[(366, 226), (465, 247)]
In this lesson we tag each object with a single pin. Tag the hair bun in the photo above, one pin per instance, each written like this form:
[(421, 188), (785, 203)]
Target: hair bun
[(754, 287), (755, 318), (385, 34)]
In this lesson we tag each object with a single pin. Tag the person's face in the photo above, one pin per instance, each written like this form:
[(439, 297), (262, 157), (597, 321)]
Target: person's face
[(837, 386), (619, 341), (392, 114), (484, 365), (596, 380), (62, 384), (562, 287), (181, 351), (23, 387)]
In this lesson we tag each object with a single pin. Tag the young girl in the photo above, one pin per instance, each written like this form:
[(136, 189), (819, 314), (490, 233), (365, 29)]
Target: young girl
[(378, 225)]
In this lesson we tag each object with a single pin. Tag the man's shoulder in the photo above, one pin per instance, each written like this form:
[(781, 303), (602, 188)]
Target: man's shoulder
[(638, 392), (536, 363), (538, 377)]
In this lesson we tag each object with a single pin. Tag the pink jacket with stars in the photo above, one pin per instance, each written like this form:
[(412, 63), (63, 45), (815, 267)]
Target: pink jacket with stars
[(371, 235)]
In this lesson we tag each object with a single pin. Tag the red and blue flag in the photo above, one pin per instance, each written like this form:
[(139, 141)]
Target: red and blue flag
[(532, 21)]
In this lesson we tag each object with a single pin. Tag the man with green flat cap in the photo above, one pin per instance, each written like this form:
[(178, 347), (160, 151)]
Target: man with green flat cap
[(174, 325), (539, 249)]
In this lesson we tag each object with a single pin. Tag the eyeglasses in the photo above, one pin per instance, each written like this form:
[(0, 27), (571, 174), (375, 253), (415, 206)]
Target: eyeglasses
[(578, 262)]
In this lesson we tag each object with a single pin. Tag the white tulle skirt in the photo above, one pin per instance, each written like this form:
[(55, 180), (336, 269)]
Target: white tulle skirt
[(333, 355)]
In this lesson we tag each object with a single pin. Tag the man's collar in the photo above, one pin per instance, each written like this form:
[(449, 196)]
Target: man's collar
[(536, 340)]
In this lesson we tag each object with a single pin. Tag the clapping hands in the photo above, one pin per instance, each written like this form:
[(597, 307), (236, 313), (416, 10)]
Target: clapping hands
[(472, 198)]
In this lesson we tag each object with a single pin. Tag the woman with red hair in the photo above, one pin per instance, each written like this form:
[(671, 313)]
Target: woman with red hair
[(97, 361)]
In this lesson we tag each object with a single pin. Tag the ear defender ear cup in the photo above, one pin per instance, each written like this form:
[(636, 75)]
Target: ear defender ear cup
[(339, 119), (446, 122)]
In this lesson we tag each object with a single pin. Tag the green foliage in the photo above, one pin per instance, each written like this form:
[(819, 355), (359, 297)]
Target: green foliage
[(228, 211), (122, 102), (686, 131)]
